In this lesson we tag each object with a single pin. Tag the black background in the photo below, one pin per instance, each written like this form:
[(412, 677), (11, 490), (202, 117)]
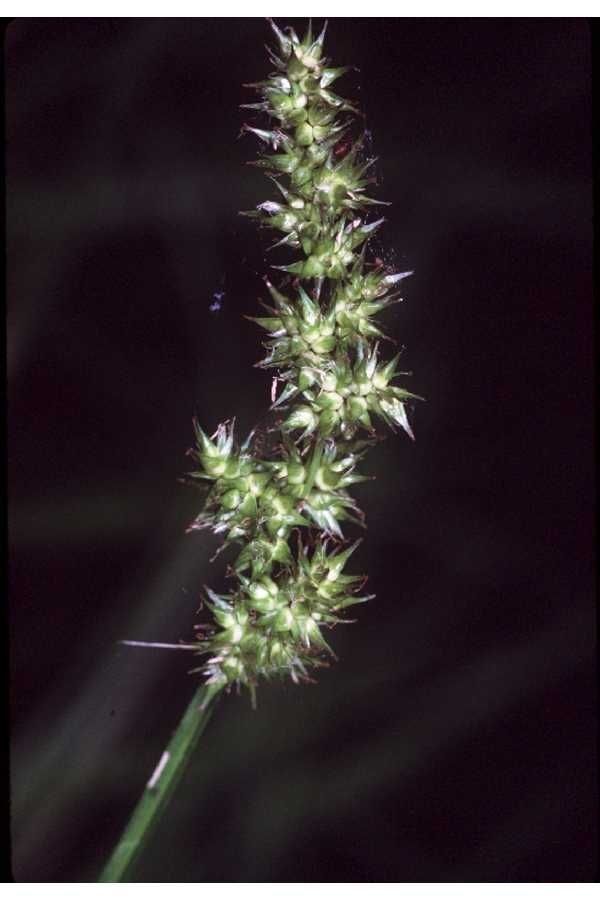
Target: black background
[(455, 739)]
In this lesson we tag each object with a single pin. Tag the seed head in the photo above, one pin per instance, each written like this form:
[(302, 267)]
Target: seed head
[(286, 510)]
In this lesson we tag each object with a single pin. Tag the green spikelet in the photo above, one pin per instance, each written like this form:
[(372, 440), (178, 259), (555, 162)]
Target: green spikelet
[(286, 513)]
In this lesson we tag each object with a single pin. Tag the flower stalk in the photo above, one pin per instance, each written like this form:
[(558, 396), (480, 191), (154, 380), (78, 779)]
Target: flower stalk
[(161, 785)]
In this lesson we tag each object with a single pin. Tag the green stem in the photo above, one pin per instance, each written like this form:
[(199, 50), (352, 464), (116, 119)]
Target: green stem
[(313, 466), (162, 783)]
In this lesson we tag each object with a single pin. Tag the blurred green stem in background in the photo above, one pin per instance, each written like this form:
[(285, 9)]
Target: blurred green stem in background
[(161, 784)]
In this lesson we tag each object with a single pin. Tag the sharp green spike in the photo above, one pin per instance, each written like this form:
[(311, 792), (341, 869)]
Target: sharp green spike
[(284, 42)]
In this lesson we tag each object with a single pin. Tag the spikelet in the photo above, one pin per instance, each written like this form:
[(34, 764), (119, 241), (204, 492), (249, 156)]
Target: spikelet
[(287, 513)]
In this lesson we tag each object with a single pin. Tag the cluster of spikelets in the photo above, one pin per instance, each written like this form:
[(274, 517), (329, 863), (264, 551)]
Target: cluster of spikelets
[(286, 512)]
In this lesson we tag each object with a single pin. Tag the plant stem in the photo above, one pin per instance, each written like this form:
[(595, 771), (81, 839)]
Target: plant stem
[(162, 783)]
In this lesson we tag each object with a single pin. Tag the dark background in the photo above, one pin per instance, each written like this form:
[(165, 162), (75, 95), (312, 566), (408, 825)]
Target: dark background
[(455, 739)]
